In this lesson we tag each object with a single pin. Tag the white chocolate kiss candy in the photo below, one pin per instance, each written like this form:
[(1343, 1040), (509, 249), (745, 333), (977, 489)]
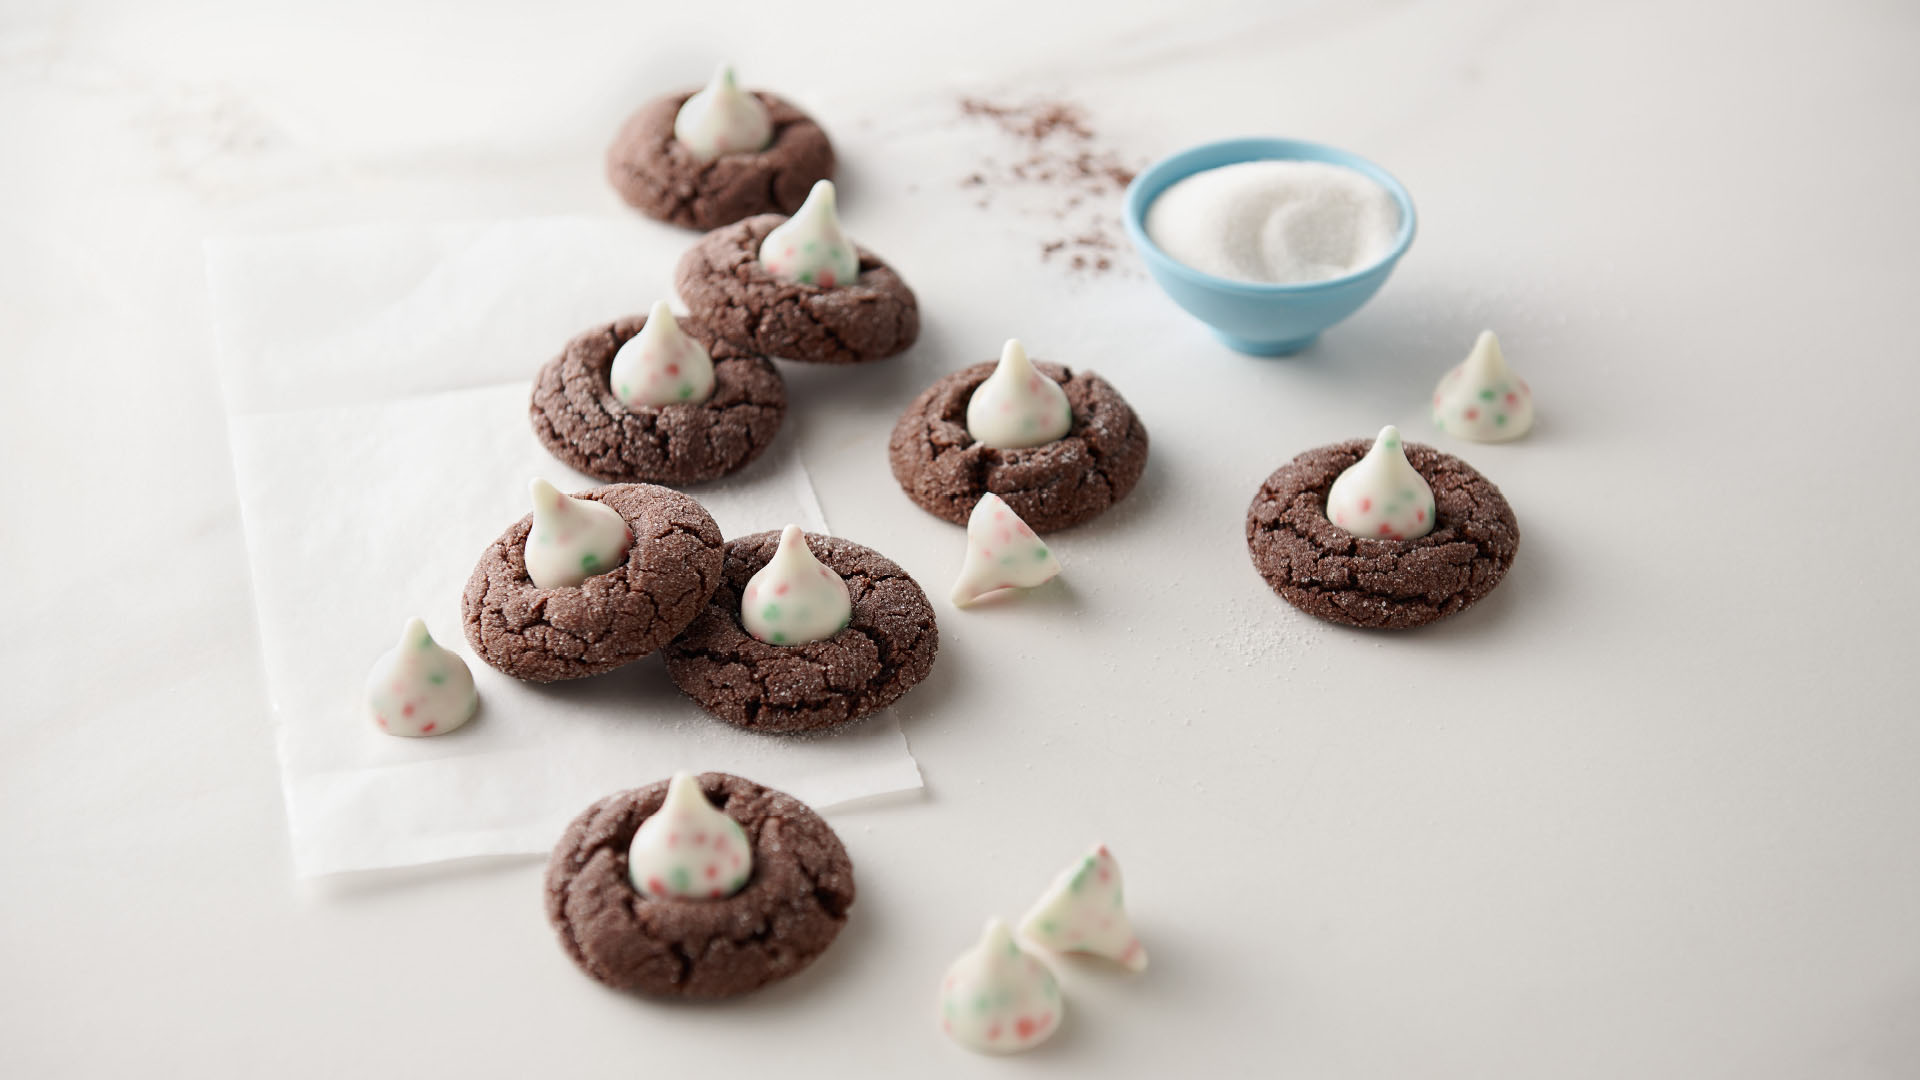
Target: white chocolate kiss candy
[(999, 998), (795, 598), (722, 119), (419, 688), (1382, 496), (572, 539), (661, 365), (1085, 911), (1481, 399), (810, 247), (1017, 406), (1002, 553), (688, 849)]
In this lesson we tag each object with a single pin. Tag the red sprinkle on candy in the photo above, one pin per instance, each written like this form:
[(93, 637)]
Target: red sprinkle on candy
[(1024, 1027), (406, 710), (1473, 414), (1386, 530), (780, 589), (826, 279), (712, 872), (673, 369), (655, 887), (428, 730), (1366, 505)]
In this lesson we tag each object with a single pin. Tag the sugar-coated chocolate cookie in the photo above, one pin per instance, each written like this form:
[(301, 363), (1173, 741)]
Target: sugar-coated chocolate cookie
[(1051, 486), (886, 648), (610, 619), (1325, 571), (723, 284), (790, 910), (659, 177), (582, 422)]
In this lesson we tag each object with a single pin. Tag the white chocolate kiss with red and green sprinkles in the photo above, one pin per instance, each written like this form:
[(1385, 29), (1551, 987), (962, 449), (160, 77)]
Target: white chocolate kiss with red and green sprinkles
[(419, 688), (795, 598), (810, 247), (722, 119), (1481, 398), (1002, 553), (999, 998), (572, 539), (1085, 911), (688, 849), (1382, 496), (1017, 407), (661, 365)]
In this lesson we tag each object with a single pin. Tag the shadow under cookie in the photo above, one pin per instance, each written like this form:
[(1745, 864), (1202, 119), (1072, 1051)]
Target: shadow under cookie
[(1052, 486), (610, 619), (580, 420), (790, 910), (725, 287), (1329, 573), (656, 174), (886, 648)]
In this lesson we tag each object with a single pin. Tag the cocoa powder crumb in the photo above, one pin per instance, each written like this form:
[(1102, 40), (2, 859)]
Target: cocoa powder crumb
[(1064, 172)]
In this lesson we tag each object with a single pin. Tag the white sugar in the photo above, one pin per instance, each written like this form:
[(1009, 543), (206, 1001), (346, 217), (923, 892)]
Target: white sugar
[(1275, 221)]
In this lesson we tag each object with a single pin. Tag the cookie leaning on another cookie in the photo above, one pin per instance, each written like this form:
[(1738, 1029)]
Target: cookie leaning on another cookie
[(610, 619), (886, 648)]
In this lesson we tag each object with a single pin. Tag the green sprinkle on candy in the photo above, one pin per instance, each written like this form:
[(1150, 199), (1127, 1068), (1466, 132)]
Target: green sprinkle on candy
[(680, 879), (1040, 552), (437, 678), (1499, 419), (686, 391), (810, 247), (426, 640), (779, 638), (982, 1003), (1486, 395), (806, 277), (589, 561), (624, 391), (771, 612)]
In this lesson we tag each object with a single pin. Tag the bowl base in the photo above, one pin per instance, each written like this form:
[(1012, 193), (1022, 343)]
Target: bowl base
[(1286, 347)]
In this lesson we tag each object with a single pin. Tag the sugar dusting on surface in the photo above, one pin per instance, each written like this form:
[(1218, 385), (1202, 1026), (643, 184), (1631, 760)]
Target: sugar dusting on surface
[(1278, 222)]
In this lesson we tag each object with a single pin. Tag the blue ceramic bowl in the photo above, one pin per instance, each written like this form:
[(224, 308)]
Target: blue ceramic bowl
[(1260, 319)]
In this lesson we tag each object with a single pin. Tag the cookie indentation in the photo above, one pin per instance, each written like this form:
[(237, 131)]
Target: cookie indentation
[(580, 420), (886, 648), (1329, 573), (721, 279), (1051, 486)]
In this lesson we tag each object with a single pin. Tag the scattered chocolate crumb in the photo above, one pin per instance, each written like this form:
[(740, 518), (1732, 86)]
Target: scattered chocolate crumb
[(1059, 156)]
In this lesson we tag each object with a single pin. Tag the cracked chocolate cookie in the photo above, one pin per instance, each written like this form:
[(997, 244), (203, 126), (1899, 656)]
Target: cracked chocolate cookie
[(662, 179), (789, 911), (727, 289), (886, 648), (1329, 573), (1051, 486), (610, 619), (579, 418)]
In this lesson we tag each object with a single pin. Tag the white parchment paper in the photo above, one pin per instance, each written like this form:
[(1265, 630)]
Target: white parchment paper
[(377, 383)]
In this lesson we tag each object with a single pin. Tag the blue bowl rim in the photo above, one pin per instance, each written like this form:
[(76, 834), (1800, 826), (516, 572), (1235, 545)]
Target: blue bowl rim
[(1163, 174)]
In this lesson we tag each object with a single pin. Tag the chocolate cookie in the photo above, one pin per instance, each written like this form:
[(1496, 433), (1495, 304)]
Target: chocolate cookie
[(790, 910), (1328, 572), (658, 176), (782, 689), (1051, 486), (721, 279), (578, 418), (611, 619)]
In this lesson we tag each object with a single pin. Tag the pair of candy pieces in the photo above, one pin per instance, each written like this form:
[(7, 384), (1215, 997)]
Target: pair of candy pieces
[(1481, 398), (1000, 998)]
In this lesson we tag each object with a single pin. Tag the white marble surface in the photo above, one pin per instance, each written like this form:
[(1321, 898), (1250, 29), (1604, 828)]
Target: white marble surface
[(1680, 842)]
